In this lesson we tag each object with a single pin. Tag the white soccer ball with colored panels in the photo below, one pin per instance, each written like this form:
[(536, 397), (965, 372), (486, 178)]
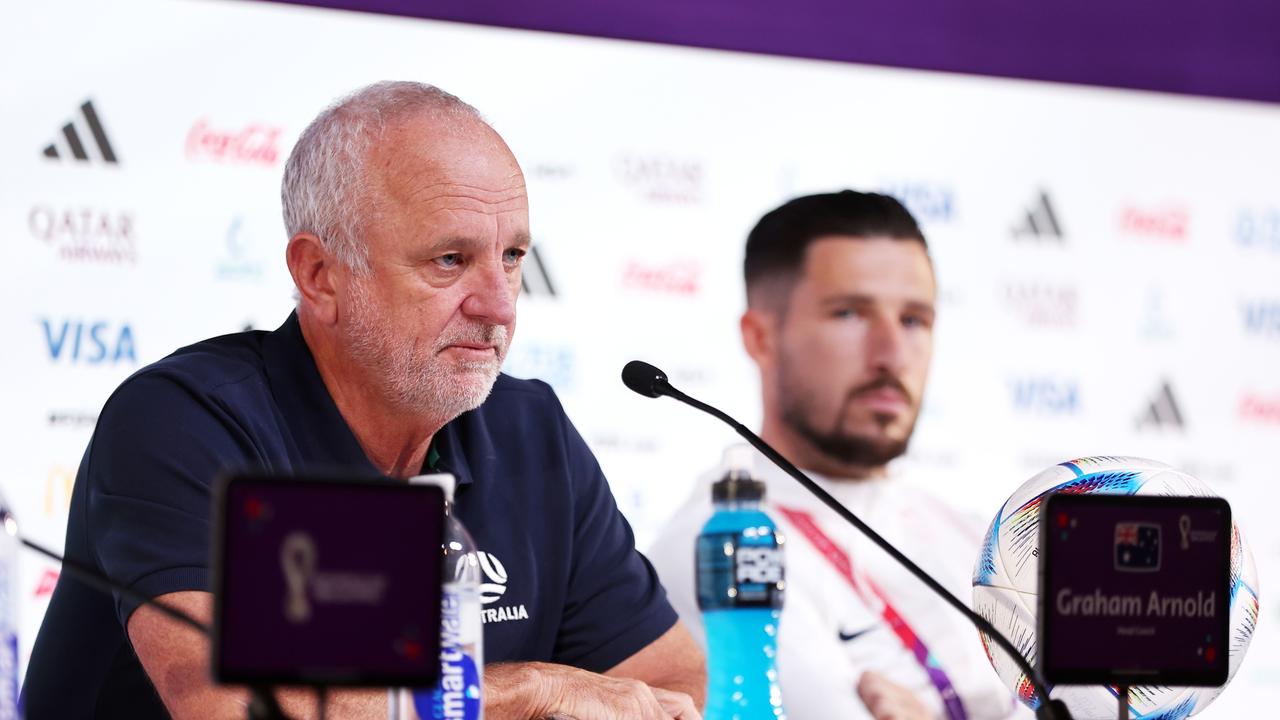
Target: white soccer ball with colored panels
[(1006, 575)]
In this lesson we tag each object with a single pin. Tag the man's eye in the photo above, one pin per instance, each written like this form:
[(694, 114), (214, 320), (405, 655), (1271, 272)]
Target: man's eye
[(514, 256), (450, 260)]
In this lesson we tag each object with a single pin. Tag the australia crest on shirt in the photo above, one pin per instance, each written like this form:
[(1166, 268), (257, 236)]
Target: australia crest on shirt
[(496, 607)]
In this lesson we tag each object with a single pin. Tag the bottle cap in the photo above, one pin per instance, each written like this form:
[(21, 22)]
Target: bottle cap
[(444, 481), (739, 457), (738, 483)]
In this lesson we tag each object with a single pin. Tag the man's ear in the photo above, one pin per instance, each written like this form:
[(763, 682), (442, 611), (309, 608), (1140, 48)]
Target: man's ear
[(313, 268), (759, 335)]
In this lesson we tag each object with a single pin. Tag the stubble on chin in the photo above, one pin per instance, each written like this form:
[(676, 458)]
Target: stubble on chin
[(420, 380)]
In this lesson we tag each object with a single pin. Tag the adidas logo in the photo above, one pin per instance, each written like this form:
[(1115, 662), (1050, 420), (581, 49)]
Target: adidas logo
[(1163, 411), (535, 280), (73, 141), (1040, 221)]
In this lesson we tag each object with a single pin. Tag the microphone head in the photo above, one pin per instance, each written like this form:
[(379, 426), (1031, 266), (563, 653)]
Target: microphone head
[(645, 379)]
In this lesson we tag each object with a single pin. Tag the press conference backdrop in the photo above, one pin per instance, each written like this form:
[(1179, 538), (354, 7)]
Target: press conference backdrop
[(1107, 260)]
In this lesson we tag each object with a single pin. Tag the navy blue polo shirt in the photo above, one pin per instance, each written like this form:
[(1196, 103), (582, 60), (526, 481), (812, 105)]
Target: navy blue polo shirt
[(563, 581)]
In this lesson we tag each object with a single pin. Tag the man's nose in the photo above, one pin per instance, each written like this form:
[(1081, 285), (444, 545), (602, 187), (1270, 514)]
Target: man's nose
[(886, 344), (491, 294)]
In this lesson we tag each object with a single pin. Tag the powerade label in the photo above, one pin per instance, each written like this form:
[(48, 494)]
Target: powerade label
[(457, 696), (737, 570)]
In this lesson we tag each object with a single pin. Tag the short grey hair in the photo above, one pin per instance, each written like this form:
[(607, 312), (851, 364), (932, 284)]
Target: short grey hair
[(326, 185)]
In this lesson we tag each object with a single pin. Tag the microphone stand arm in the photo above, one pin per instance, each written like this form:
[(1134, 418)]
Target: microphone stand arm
[(1048, 710)]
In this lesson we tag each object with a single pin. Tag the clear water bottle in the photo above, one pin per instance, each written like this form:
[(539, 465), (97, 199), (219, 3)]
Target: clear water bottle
[(457, 695), (740, 591), (9, 547)]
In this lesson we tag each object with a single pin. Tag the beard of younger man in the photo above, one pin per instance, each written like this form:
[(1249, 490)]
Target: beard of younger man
[(797, 394)]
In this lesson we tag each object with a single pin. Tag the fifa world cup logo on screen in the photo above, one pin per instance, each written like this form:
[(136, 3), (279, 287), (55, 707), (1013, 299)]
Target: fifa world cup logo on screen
[(298, 560)]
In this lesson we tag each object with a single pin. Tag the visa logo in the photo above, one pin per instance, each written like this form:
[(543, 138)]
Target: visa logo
[(1259, 228), (1262, 317), (89, 343), (1047, 396), (926, 202)]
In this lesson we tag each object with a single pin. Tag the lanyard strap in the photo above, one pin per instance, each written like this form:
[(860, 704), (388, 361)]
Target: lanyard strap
[(839, 559)]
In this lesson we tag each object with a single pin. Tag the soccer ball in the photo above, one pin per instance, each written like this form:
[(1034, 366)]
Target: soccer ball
[(1005, 584)]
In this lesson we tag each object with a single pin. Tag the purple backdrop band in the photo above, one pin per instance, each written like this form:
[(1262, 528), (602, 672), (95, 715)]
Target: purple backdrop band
[(1180, 46)]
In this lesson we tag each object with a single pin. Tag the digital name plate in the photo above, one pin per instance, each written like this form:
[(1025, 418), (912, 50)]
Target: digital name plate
[(1134, 590), (326, 582)]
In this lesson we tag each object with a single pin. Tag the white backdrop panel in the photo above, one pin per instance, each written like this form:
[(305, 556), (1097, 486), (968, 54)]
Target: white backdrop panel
[(1107, 259)]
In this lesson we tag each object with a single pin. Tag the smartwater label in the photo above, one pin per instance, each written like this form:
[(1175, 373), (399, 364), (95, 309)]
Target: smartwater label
[(457, 696)]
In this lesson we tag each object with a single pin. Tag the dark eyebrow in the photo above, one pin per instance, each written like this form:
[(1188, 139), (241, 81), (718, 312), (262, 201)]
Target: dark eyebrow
[(864, 300), (848, 299), (919, 306)]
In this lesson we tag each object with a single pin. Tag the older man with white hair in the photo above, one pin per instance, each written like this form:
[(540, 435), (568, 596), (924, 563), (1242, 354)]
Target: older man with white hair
[(408, 219)]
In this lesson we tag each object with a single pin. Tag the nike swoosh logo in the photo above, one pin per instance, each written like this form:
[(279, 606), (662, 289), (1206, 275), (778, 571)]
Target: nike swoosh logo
[(847, 636)]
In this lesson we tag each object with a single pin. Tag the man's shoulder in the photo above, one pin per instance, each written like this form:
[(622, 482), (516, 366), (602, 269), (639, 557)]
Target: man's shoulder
[(194, 373), (208, 364)]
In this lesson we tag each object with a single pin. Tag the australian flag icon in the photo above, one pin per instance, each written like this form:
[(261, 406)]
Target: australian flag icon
[(1137, 547)]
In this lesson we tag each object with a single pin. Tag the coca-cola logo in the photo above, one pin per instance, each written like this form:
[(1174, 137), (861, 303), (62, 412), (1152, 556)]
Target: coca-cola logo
[(678, 277), (47, 582), (254, 144), (1169, 224), (1260, 408), (85, 234)]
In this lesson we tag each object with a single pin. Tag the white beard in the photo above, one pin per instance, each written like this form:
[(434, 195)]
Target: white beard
[(421, 380)]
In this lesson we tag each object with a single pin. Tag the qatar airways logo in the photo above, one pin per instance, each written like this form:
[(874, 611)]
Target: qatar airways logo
[(252, 144), (1042, 304), (663, 179), (85, 234)]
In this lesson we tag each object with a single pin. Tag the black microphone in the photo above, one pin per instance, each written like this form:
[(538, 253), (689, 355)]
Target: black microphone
[(645, 379), (649, 381), (263, 705)]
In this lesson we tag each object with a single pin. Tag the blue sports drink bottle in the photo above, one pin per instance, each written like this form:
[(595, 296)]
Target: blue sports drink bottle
[(740, 591)]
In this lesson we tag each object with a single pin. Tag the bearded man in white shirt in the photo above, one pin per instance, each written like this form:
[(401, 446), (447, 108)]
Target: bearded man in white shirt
[(841, 300)]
